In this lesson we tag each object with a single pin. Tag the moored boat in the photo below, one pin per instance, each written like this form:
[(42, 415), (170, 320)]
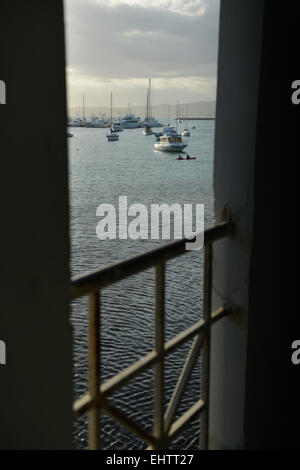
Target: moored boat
[(130, 121), (112, 136), (147, 130), (117, 126), (170, 141)]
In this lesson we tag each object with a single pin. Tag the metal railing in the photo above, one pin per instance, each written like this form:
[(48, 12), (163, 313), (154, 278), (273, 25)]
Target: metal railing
[(166, 427)]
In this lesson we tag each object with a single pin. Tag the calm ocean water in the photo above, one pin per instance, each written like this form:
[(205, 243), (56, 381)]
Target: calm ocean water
[(100, 172)]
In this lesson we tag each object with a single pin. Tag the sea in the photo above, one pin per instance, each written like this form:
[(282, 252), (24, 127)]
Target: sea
[(99, 173)]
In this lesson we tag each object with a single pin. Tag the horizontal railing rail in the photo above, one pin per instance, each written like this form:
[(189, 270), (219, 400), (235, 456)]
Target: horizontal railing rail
[(166, 427)]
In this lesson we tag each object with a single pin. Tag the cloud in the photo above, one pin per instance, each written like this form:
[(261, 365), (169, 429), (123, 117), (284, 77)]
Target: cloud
[(134, 39), (186, 7)]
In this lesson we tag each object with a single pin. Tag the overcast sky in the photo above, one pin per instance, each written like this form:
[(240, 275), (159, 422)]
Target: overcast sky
[(116, 45)]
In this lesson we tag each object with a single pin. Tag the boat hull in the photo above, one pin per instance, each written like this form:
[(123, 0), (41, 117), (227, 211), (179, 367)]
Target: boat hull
[(131, 125), (169, 147)]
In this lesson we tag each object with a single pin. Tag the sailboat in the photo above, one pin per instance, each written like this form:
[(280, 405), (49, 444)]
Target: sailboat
[(112, 136), (147, 129), (150, 121), (83, 121), (186, 132)]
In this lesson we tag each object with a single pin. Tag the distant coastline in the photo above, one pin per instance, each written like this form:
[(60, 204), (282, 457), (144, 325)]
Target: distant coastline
[(205, 109)]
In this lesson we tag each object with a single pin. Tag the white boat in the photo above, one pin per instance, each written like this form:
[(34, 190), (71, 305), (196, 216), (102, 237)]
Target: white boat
[(147, 130), (75, 122), (112, 136), (170, 141), (130, 121), (102, 123), (185, 133), (117, 126)]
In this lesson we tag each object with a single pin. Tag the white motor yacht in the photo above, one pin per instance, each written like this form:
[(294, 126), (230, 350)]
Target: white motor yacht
[(117, 126), (170, 141), (130, 121)]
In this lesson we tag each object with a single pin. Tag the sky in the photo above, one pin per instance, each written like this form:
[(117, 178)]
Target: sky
[(116, 45)]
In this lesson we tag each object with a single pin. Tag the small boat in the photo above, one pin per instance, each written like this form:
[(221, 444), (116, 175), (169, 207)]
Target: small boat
[(185, 133), (102, 123), (187, 158), (117, 126), (147, 130), (112, 136)]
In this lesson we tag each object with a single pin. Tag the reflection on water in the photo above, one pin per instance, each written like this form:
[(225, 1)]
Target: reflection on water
[(100, 172)]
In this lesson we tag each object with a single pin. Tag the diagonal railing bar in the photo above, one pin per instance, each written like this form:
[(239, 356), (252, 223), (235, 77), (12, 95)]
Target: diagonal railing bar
[(83, 404), (123, 419), (184, 420), (128, 373), (182, 382), (201, 325)]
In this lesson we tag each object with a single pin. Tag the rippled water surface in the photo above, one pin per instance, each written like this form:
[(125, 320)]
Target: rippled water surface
[(100, 172)]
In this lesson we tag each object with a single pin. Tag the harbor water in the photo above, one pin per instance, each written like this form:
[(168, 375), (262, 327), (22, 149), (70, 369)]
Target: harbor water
[(100, 172)]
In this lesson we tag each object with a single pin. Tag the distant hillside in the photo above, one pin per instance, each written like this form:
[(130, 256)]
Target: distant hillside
[(198, 109)]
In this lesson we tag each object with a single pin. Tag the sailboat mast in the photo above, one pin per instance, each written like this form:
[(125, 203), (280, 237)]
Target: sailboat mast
[(111, 106), (187, 114), (83, 115), (147, 108), (150, 110)]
